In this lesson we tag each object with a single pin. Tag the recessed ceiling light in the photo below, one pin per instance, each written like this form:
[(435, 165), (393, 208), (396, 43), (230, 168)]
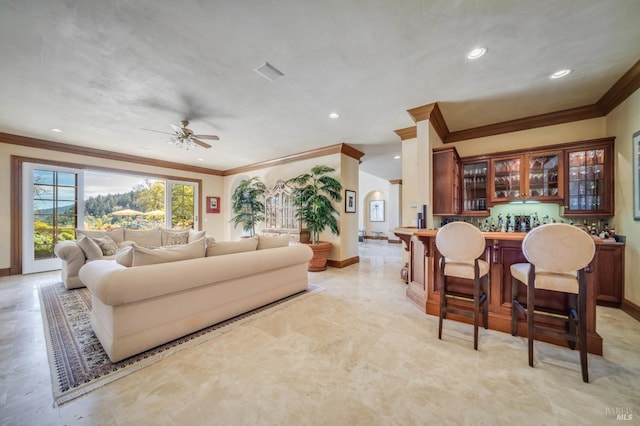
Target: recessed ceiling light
[(397, 157), (56, 130), (476, 53), (561, 73), (334, 115), (200, 159)]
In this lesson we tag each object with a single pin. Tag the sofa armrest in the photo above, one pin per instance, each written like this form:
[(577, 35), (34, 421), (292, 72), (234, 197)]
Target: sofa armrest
[(69, 251), (73, 258)]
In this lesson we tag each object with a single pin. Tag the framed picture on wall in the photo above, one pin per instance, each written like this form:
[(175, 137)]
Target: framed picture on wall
[(213, 204), (636, 175), (376, 211), (349, 201)]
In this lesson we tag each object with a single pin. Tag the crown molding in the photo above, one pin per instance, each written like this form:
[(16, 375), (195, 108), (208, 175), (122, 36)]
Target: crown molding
[(432, 113), (407, 133), (341, 148), (621, 90), (618, 93), (395, 181), (542, 120), (99, 153)]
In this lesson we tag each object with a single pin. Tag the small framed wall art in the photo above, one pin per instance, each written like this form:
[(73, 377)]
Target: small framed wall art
[(376, 211), (349, 201), (213, 204)]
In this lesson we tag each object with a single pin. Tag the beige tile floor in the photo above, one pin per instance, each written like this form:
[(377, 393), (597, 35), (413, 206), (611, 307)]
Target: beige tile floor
[(357, 353)]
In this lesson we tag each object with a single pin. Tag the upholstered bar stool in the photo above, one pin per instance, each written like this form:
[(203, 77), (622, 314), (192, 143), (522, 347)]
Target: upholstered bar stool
[(461, 244), (558, 255)]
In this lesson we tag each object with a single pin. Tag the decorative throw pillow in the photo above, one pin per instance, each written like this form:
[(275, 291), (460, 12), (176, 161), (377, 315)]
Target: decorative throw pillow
[(265, 242), (217, 248), (124, 255), (174, 237), (107, 245), (91, 250), (144, 256), (196, 235)]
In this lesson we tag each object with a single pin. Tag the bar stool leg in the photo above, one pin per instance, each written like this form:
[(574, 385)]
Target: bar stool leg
[(514, 306), (476, 309), (443, 297), (485, 303), (530, 308), (582, 330)]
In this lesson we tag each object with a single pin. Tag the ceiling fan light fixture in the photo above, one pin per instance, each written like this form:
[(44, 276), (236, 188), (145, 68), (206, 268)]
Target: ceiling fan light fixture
[(269, 72)]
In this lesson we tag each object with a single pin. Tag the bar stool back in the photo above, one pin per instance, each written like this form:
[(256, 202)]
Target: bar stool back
[(461, 244), (558, 254)]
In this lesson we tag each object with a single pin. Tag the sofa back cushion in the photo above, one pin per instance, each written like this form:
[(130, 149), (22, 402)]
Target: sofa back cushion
[(272, 241), (116, 235), (174, 237), (143, 256), (91, 250), (218, 248), (150, 238)]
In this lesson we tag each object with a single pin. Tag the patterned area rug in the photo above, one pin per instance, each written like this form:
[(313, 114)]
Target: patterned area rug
[(77, 361)]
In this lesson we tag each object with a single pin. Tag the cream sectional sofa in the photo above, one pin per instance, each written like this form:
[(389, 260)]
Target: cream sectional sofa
[(74, 257), (140, 307)]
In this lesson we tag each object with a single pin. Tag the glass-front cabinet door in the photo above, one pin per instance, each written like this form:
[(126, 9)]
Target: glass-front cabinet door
[(589, 183), (474, 187), (544, 176), (506, 179)]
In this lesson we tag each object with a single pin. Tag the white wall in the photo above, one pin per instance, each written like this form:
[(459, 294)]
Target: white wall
[(345, 245)]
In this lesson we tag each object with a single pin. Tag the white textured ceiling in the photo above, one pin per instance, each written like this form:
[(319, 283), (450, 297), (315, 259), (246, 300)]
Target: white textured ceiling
[(101, 70)]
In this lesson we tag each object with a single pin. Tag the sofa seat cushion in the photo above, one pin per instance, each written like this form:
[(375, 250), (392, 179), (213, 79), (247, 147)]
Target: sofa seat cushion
[(145, 256), (218, 248)]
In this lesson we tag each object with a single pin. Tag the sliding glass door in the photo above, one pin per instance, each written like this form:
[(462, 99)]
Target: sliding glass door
[(52, 209), (54, 202)]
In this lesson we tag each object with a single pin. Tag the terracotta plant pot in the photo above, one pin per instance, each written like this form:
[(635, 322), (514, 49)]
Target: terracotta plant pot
[(320, 255)]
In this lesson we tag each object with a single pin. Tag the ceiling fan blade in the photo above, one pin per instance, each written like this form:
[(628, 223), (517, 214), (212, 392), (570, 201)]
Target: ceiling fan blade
[(179, 130), (209, 137), (158, 131), (202, 144)]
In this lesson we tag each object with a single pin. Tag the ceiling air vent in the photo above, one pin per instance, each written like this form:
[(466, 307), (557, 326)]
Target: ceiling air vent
[(269, 72)]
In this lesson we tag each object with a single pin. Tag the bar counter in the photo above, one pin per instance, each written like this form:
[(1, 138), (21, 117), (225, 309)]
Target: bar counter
[(502, 250)]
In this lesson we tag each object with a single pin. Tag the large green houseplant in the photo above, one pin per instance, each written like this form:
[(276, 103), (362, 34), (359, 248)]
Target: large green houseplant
[(247, 204), (314, 194)]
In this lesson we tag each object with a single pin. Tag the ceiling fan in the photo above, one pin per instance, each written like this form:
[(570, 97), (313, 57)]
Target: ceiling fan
[(185, 138)]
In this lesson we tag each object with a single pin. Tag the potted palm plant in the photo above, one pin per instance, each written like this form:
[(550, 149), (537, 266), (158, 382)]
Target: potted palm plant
[(313, 195), (248, 205)]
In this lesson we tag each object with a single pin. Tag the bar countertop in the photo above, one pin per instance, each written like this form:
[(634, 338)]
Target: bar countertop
[(503, 236)]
